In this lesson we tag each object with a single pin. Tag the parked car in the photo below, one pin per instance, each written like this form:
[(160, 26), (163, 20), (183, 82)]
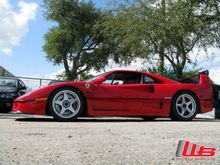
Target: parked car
[(216, 91), (121, 93), (10, 89)]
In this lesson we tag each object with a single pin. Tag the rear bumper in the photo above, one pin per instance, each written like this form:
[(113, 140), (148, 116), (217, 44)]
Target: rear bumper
[(206, 106)]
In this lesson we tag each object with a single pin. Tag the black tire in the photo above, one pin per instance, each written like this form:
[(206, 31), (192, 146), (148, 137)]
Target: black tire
[(178, 112), (53, 107), (148, 118)]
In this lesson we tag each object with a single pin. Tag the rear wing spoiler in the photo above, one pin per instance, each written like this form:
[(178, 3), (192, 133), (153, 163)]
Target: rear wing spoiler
[(192, 79), (205, 72)]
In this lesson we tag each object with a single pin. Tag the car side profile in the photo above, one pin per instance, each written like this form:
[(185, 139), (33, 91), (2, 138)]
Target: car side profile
[(121, 93)]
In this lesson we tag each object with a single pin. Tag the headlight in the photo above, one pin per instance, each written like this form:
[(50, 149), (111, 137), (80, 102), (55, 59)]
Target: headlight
[(2, 95), (7, 95)]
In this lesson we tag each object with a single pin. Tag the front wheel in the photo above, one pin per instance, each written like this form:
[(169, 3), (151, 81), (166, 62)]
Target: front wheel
[(184, 107), (66, 104)]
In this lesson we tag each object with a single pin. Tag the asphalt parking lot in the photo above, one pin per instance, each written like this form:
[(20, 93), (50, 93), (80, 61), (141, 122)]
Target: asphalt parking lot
[(41, 140)]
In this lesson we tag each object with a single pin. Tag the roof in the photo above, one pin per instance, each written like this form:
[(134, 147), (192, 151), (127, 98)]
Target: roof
[(5, 73), (153, 75)]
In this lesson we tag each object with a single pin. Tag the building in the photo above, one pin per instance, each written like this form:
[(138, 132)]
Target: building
[(5, 73)]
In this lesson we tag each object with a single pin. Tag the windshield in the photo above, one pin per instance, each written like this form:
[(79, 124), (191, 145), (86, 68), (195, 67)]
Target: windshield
[(8, 83), (95, 77)]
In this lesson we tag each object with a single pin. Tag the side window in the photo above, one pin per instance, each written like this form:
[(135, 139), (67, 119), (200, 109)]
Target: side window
[(148, 80), (109, 79), (126, 78), (21, 84)]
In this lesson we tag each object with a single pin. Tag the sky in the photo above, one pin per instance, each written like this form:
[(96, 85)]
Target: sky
[(22, 27)]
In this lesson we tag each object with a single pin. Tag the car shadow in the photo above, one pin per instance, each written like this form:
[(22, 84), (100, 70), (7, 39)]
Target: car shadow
[(111, 120), (32, 118), (35, 120)]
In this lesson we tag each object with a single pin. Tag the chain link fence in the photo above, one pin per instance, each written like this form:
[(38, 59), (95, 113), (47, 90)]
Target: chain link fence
[(33, 83)]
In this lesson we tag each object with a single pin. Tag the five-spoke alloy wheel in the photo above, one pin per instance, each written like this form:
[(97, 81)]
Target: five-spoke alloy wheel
[(184, 106), (66, 104)]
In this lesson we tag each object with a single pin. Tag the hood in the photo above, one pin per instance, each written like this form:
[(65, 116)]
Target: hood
[(7, 89), (68, 83), (44, 92)]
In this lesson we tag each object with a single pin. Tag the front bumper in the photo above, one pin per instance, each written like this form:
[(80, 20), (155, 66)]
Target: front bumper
[(20, 113), (36, 107)]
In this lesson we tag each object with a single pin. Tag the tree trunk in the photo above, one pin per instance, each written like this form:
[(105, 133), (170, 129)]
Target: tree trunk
[(161, 51), (66, 66), (179, 72), (74, 68), (161, 59), (74, 76)]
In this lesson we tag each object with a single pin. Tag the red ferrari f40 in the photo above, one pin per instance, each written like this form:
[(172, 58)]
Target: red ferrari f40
[(121, 93)]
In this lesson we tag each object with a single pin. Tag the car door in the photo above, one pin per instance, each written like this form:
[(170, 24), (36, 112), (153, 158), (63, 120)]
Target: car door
[(124, 93)]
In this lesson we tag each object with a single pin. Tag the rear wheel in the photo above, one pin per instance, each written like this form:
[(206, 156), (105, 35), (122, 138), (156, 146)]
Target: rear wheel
[(184, 106), (66, 104)]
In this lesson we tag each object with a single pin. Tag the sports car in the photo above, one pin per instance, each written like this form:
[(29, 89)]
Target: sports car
[(121, 93)]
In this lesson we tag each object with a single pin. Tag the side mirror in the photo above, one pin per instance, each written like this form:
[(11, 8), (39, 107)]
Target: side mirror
[(100, 80), (22, 88)]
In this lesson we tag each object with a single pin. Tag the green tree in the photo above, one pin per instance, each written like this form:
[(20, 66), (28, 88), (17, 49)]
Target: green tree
[(160, 29), (85, 76), (74, 41), (169, 73)]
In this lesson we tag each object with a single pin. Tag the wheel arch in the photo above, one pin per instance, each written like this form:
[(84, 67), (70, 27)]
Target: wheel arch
[(190, 91), (67, 86)]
